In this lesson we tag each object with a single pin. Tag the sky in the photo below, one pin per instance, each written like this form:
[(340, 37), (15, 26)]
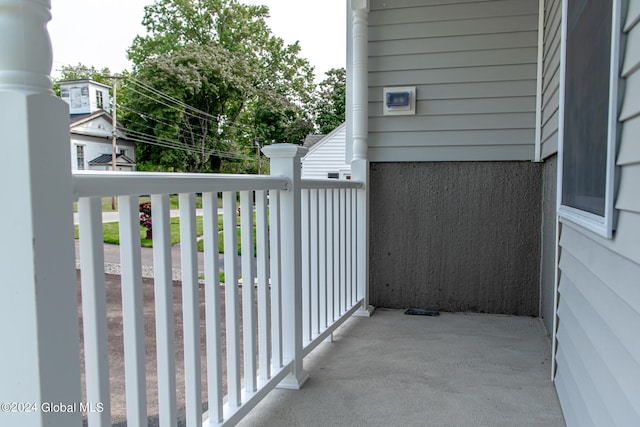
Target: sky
[(98, 32)]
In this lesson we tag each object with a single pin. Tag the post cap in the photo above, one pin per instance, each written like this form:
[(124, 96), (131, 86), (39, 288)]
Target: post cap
[(284, 151)]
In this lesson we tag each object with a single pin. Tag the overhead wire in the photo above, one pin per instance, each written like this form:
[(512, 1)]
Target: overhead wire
[(170, 143), (170, 98), (167, 101)]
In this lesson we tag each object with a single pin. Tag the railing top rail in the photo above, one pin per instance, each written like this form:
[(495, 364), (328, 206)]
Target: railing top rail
[(314, 184), (105, 183)]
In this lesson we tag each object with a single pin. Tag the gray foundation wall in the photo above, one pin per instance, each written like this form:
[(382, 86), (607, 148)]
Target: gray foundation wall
[(456, 236), (548, 258)]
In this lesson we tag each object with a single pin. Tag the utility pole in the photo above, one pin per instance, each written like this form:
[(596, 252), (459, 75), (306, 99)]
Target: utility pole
[(257, 143), (114, 136)]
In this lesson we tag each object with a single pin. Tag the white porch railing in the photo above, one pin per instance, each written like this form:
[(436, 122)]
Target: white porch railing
[(40, 362), (306, 249)]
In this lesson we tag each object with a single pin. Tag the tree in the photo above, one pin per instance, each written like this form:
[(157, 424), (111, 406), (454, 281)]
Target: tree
[(81, 71), (190, 99), (220, 57), (330, 102)]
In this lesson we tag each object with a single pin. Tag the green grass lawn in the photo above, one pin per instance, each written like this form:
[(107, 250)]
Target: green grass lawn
[(111, 234), (111, 230), (173, 203), (221, 242)]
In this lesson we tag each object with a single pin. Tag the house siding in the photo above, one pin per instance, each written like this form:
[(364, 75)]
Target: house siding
[(327, 155), (474, 67), (598, 350), (548, 244), (550, 77)]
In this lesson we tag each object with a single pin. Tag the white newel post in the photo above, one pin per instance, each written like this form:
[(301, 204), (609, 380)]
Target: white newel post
[(39, 360), (285, 161), (360, 161)]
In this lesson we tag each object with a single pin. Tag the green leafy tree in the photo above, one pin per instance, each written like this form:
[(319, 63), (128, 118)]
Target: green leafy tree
[(330, 103), (190, 99), (220, 57), (81, 71)]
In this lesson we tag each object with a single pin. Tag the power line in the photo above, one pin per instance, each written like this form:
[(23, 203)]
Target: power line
[(170, 98), (139, 134), (150, 117), (168, 143)]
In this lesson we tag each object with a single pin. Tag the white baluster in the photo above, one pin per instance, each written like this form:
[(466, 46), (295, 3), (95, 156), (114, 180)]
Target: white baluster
[(264, 300), (276, 279), (314, 313), (306, 268), (132, 319), (163, 285), (94, 309), (248, 292), (212, 301), (322, 258), (190, 309), (232, 315)]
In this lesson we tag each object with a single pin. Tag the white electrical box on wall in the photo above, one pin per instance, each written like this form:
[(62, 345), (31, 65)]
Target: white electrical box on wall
[(399, 101)]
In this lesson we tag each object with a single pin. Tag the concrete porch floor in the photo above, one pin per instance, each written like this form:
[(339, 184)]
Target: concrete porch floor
[(398, 370)]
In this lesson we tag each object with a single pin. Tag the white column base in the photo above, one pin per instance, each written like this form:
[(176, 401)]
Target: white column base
[(293, 382), (364, 311)]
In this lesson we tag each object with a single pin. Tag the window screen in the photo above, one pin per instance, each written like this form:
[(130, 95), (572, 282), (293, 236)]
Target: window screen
[(588, 61)]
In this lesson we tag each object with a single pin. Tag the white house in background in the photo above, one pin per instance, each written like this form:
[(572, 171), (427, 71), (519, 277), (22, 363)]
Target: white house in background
[(91, 128), (326, 156)]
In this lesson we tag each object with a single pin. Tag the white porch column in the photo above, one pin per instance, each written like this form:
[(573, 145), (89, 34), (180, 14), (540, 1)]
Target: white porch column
[(285, 161), (39, 361), (360, 131)]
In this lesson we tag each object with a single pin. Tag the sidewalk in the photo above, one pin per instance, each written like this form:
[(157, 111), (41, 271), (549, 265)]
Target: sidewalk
[(112, 252), (113, 216)]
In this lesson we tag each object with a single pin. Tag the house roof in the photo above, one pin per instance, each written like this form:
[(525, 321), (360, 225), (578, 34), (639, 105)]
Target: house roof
[(78, 81), (77, 119), (311, 140), (324, 138), (105, 159)]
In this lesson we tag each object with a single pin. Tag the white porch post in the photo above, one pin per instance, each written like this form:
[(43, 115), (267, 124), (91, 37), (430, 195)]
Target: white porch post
[(40, 360), (360, 161), (285, 161)]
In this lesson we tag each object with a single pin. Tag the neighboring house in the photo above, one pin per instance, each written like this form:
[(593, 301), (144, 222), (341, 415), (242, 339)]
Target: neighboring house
[(326, 156), (486, 123), (91, 128)]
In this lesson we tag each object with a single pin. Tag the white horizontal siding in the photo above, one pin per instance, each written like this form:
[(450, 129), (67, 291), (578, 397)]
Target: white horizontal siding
[(523, 39), (474, 67), (551, 77), (598, 352), (598, 347), (326, 156), (629, 148), (464, 92)]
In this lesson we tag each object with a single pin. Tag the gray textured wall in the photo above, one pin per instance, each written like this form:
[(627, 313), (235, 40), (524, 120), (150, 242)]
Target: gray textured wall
[(456, 236), (548, 260)]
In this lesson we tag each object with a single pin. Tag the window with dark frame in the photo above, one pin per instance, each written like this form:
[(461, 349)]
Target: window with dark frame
[(80, 156), (99, 100)]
